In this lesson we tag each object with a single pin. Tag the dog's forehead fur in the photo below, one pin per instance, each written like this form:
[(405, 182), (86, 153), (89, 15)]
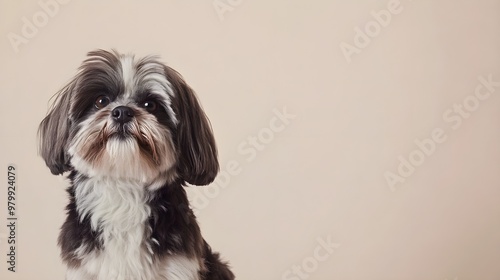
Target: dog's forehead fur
[(123, 78)]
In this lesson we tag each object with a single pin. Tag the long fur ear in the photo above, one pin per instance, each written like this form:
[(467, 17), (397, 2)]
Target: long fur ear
[(198, 163), (53, 132)]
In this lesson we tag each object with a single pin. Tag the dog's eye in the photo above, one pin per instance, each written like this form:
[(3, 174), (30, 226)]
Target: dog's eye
[(150, 106), (102, 101)]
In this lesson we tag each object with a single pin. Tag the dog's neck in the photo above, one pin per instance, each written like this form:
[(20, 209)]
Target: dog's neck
[(117, 205)]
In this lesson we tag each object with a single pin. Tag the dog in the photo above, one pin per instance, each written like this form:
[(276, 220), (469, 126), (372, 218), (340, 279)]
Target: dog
[(131, 133)]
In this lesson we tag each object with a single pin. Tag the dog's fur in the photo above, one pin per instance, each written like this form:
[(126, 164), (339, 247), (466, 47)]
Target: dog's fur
[(131, 134)]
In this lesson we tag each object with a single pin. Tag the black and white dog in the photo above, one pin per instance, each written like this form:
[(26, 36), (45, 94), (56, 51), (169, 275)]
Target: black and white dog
[(132, 134)]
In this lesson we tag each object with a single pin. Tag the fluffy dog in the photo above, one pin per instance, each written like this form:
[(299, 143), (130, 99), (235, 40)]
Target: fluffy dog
[(131, 133)]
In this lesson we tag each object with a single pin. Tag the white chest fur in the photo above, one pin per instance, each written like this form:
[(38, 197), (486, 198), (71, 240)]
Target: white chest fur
[(118, 210)]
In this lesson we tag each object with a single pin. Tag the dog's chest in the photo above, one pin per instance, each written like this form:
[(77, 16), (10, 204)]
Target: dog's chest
[(119, 212)]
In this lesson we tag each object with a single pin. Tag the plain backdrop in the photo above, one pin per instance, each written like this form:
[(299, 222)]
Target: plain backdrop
[(365, 85)]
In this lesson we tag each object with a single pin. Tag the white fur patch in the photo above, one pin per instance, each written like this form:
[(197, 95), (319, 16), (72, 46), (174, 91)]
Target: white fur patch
[(128, 74), (118, 210), (78, 274), (182, 268)]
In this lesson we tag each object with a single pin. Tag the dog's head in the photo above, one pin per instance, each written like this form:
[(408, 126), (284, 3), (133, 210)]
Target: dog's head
[(128, 118)]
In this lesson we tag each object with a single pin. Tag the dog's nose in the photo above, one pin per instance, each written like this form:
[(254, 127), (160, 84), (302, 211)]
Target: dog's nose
[(122, 114)]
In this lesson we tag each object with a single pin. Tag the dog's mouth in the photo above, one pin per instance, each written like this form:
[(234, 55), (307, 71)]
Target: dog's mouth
[(116, 131), (124, 133), (121, 132)]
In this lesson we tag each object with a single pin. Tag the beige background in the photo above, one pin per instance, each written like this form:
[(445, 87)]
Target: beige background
[(322, 174)]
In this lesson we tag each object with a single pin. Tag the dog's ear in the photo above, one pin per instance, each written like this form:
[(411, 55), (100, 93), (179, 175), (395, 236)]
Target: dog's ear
[(53, 132), (197, 163)]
